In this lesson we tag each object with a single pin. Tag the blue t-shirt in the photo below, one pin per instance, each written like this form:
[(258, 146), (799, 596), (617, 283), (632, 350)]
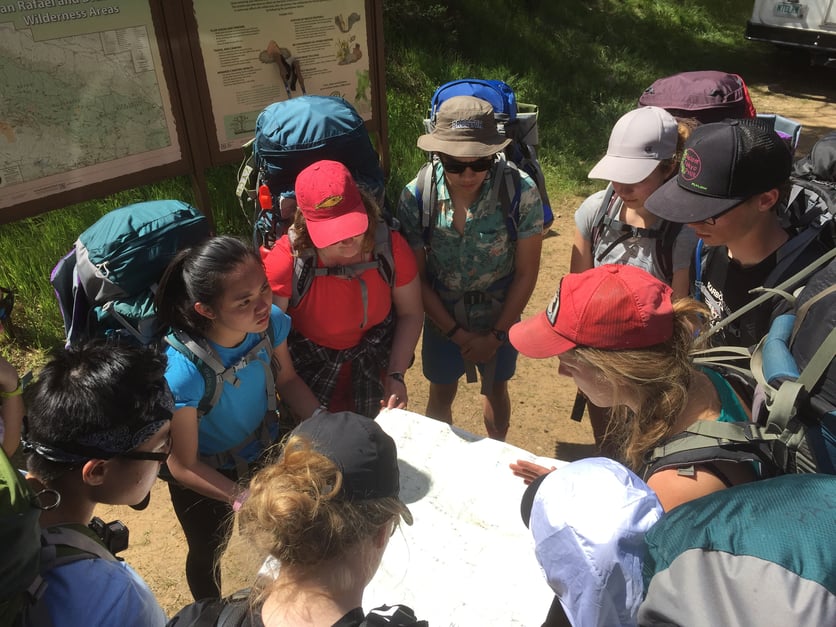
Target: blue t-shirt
[(98, 592), (240, 409)]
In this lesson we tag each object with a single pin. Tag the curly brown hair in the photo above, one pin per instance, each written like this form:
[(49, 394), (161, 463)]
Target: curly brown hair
[(302, 240), (658, 375)]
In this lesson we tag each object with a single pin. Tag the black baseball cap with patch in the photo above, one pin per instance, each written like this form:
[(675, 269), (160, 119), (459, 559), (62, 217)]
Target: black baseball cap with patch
[(723, 164), (365, 454)]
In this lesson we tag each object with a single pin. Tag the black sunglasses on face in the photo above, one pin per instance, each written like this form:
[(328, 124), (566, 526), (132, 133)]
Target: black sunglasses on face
[(457, 167)]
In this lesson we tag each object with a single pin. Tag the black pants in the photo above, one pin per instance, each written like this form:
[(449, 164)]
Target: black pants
[(207, 524)]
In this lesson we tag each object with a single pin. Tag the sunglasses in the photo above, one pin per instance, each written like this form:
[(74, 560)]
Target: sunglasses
[(457, 167)]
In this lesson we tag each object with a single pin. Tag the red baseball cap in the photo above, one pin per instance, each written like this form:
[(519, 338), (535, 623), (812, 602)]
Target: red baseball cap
[(611, 307), (331, 203)]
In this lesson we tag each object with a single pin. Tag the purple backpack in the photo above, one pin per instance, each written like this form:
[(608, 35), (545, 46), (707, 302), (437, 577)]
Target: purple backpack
[(708, 96)]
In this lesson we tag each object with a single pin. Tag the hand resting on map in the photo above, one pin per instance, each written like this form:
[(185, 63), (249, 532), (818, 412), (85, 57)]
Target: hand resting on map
[(529, 471)]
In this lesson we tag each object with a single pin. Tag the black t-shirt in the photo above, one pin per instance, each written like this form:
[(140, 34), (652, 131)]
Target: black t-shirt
[(726, 285), (725, 289)]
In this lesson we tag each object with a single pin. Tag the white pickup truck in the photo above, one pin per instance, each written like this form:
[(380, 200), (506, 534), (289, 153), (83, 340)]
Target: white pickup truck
[(805, 24)]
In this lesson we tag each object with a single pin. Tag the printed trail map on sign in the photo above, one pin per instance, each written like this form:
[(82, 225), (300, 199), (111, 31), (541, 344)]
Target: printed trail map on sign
[(83, 98)]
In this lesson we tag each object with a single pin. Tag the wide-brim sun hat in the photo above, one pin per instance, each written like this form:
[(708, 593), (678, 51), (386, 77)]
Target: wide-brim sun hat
[(639, 142), (465, 127)]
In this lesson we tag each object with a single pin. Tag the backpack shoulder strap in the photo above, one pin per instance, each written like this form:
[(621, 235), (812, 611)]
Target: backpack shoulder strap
[(383, 253), (427, 195), (706, 441), (607, 202), (208, 364), (85, 547), (304, 272), (510, 195), (665, 243), (215, 374)]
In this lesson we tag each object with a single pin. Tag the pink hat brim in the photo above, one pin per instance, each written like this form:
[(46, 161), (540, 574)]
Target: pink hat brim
[(328, 232), (536, 338)]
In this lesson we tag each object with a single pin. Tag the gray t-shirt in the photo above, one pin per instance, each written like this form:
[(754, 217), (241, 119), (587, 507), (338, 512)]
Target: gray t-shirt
[(633, 251)]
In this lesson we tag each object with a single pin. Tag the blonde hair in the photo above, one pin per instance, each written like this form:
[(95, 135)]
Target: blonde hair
[(302, 240), (657, 376), (684, 128), (295, 510)]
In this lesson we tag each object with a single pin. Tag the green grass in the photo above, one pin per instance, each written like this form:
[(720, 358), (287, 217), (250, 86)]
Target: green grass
[(584, 64)]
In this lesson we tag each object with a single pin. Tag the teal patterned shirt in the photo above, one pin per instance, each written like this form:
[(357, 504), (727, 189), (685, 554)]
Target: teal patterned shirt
[(481, 258)]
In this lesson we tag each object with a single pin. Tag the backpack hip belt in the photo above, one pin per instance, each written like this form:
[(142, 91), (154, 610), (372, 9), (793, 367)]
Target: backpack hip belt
[(242, 465)]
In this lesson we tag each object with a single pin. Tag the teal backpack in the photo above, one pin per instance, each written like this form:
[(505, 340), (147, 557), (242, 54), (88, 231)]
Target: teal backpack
[(105, 285), (755, 554), (29, 552)]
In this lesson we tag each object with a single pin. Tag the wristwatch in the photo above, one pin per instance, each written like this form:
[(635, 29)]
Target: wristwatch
[(502, 336), (397, 376)]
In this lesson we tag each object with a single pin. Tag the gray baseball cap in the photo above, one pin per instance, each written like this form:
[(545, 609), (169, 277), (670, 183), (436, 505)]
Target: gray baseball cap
[(639, 141)]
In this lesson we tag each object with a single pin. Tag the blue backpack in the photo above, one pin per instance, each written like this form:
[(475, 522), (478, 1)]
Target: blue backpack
[(515, 120), (105, 285), (291, 135)]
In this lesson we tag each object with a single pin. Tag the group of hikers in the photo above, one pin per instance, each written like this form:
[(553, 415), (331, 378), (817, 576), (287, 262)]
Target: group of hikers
[(328, 321)]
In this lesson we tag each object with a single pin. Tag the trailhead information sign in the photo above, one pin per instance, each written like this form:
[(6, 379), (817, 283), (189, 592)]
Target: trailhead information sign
[(83, 96)]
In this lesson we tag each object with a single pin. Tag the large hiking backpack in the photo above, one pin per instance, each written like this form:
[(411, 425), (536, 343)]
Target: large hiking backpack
[(813, 195), (29, 552), (707, 95), (793, 428), (607, 219), (515, 120), (105, 285), (291, 135), (755, 554)]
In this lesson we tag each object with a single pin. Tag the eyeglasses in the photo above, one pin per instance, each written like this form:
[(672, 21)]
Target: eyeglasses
[(144, 456), (454, 166), (711, 221)]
